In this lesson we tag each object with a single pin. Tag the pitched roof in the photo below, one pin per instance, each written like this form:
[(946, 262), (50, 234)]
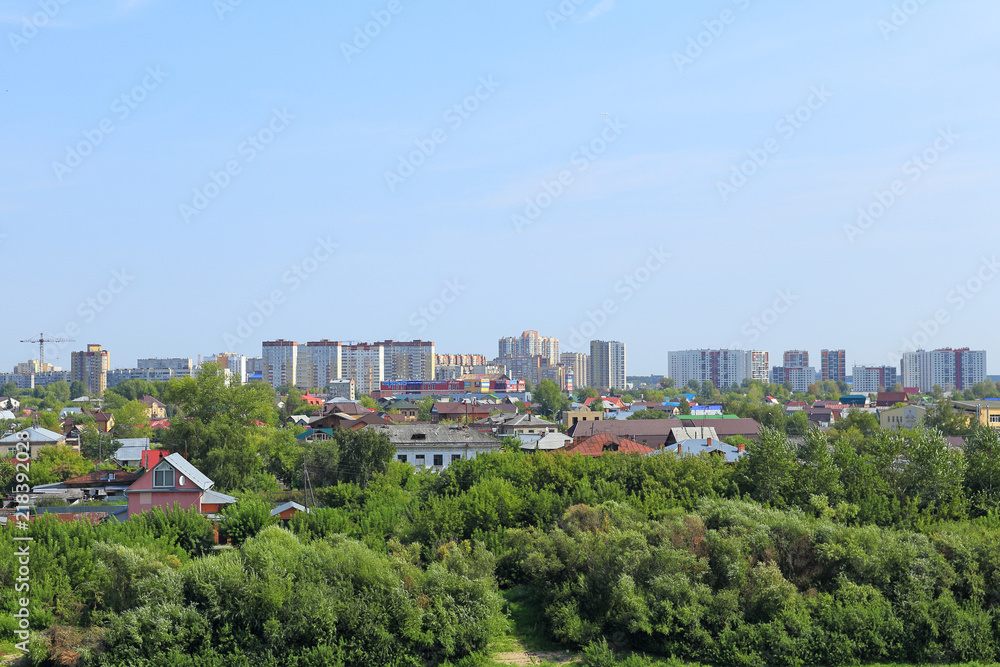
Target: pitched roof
[(290, 505), (548, 443), (629, 428), (608, 442), (213, 497), (696, 446), (746, 427), (184, 467), (104, 477), (692, 432), (149, 400), (35, 434), (434, 434)]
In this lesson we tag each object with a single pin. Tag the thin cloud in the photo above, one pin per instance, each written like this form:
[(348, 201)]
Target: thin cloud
[(602, 7)]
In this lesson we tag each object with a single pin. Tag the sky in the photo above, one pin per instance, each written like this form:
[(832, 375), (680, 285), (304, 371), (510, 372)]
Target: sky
[(185, 180)]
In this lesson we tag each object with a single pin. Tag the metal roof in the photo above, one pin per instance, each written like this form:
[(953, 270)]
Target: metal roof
[(35, 434), (182, 466)]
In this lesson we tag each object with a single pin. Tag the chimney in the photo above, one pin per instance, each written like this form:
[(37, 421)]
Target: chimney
[(680, 449), (740, 447), (709, 442)]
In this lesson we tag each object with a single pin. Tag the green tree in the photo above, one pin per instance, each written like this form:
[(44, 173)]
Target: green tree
[(933, 473), (583, 393), (369, 402), (767, 471), (362, 453), (57, 464), (551, 400), (685, 407), (131, 421), (77, 389), (982, 475), (244, 519)]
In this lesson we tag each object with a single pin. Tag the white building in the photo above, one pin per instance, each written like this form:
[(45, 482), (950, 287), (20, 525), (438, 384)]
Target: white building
[(950, 369), (799, 377), (236, 363), (181, 366), (343, 388), (870, 379), (437, 445), (530, 344), (725, 368)]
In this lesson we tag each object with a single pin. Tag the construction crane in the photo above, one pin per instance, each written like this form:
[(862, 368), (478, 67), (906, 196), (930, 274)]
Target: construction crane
[(42, 340)]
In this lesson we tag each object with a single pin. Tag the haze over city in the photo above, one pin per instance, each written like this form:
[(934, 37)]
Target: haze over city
[(670, 175)]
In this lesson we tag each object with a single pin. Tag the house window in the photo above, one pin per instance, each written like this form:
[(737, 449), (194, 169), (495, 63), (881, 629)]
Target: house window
[(163, 477), (439, 459), (401, 458), (456, 457), (420, 459), (995, 419)]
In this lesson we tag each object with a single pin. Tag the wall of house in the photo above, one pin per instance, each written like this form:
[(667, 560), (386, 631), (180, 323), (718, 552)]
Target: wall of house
[(143, 501), (427, 451)]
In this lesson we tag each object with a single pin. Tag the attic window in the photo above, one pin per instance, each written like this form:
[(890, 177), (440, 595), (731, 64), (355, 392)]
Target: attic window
[(418, 436), (163, 477)]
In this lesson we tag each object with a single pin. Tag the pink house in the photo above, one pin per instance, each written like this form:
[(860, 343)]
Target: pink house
[(173, 482)]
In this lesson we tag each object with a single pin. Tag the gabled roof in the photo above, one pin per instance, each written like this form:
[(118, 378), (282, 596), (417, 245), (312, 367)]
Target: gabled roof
[(608, 443), (211, 497), (149, 400), (36, 434), (290, 505), (434, 434), (692, 432), (696, 446), (184, 467), (103, 478), (549, 442)]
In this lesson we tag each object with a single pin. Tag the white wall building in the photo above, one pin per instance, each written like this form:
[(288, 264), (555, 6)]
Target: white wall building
[(280, 361), (409, 360), (870, 379), (365, 364), (319, 362)]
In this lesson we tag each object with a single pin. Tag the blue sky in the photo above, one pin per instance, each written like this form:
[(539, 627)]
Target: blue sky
[(177, 181)]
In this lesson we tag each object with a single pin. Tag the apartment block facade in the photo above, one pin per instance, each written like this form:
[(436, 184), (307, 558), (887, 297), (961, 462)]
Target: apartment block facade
[(530, 344), (833, 365), (409, 360), (91, 368), (725, 368), (948, 368), (577, 369), (868, 379), (607, 365)]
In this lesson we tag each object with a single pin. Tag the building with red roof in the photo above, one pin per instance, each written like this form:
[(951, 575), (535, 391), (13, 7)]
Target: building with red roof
[(603, 443)]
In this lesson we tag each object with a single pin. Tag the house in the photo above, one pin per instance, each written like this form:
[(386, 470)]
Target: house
[(154, 409), (130, 452), (436, 445), (95, 485), (8, 403), (571, 417), (287, 511), (682, 433), (66, 412), (105, 421), (652, 433), (407, 410), (905, 416), (548, 443), (7, 415), (464, 412), (504, 425), (748, 428), (174, 482), (37, 438), (310, 399), (605, 443), (297, 420), (343, 406), (887, 399), (709, 446), (822, 417)]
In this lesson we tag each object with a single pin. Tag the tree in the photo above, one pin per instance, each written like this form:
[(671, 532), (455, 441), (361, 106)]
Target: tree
[(685, 407), (650, 414), (209, 399), (982, 476), (944, 417), (767, 470), (667, 383), (77, 389), (131, 420), (583, 393), (369, 402), (550, 398), (244, 519), (933, 473), (362, 453), (57, 464)]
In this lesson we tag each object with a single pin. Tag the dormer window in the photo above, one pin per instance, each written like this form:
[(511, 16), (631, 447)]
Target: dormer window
[(163, 477)]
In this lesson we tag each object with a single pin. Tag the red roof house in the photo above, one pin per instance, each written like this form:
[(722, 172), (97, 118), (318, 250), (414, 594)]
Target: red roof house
[(603, 443)]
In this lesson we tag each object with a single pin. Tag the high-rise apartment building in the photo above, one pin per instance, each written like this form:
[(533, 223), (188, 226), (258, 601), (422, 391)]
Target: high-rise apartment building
[(91, 368), (409, 360), (868, 379), (365, 364), (530, 344), (280, 361), (235, 363), (795, 359), (725, 368), (460, 360), (577, 369), (607, 365), (833, 365), (319, 362), (950, 369)]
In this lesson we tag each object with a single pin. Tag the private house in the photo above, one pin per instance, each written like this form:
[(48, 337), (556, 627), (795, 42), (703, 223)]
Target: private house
[(709, 446), (652, 433), (95, 485), (129, 454), (464, 413), (436, 445), (154, 409), (504, 425), (724, 428), (105, 421), (571, 417), (37, 438), (174, 482), (404, 408), (549, 442), (8, 403), (608, 443), (887, 399), (286, 511)]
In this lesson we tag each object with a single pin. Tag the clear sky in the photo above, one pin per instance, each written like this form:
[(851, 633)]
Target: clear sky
[(187, 178)]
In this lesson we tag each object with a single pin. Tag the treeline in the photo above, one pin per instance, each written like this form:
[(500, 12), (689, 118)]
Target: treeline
[(862, 545)]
